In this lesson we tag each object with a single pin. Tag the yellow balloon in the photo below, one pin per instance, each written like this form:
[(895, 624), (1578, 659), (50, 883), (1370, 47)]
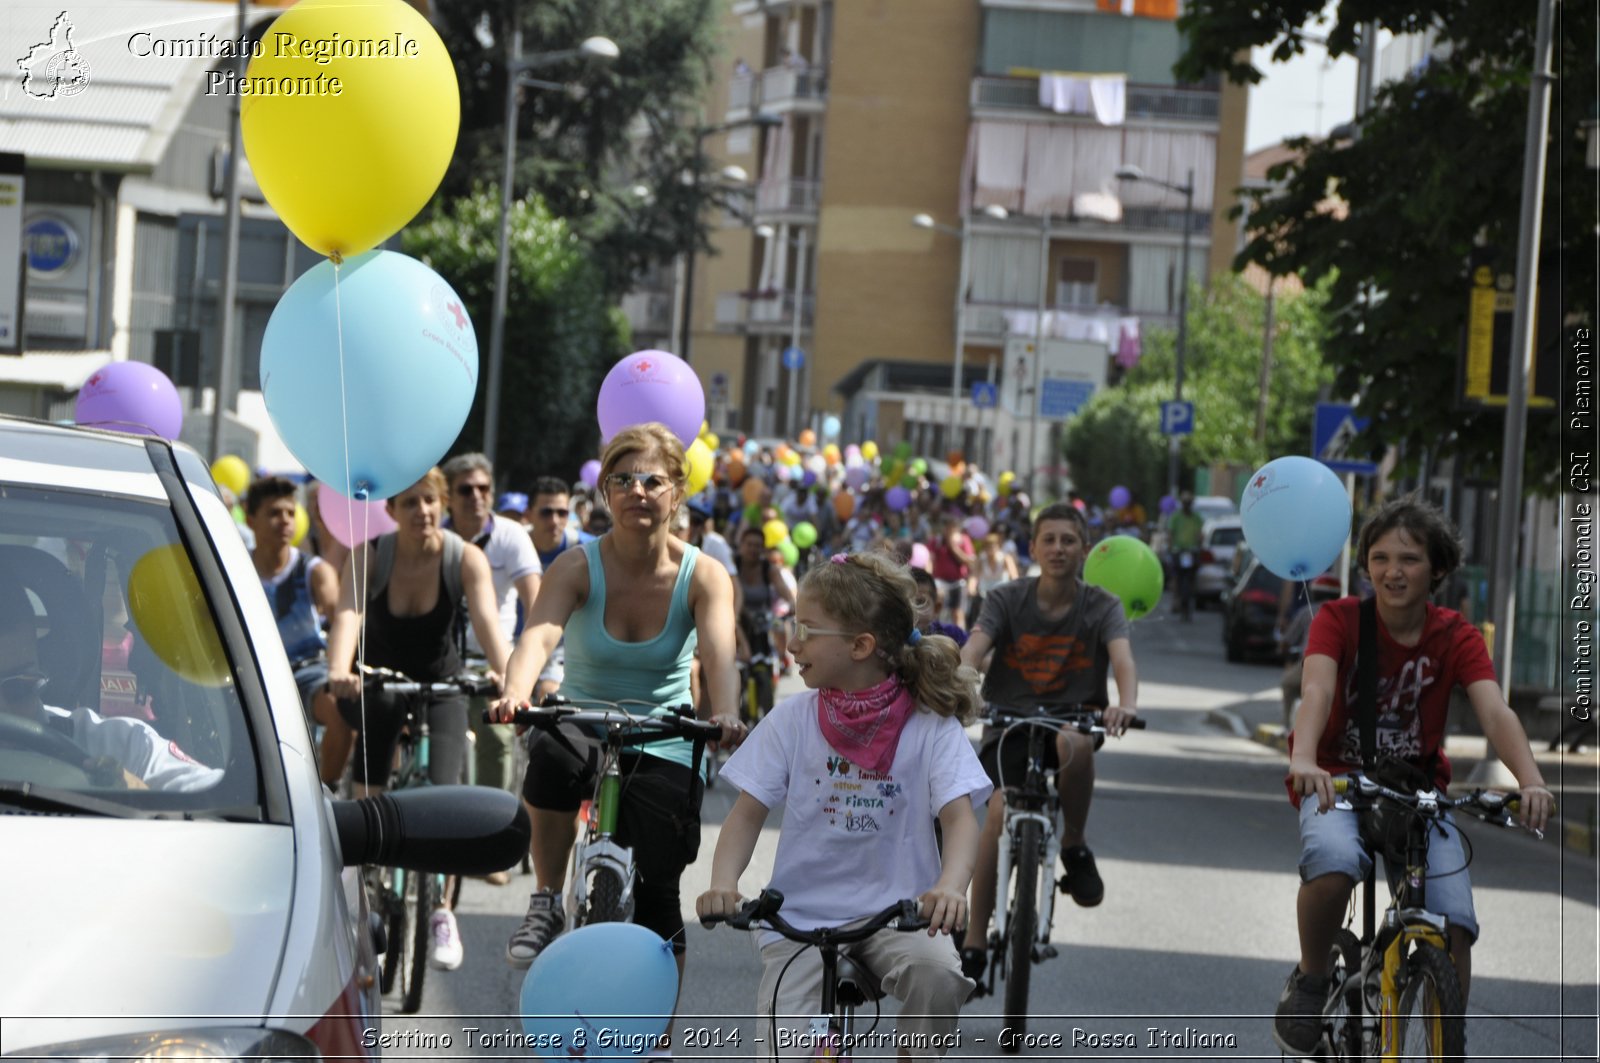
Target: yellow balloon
[(792, 458), (712, 440), (349, 116), (774, 532), (950, 487), (231, 472), (869, 450), (302, 524), (170, 613), (700, 462)]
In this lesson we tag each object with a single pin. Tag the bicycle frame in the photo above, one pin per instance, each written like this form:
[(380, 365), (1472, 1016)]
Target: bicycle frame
[(1034, 801)]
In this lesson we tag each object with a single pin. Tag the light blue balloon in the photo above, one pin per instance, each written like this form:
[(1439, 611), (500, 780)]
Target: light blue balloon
[(830, 427), (1296, 516), (410, 370), (614, 977)]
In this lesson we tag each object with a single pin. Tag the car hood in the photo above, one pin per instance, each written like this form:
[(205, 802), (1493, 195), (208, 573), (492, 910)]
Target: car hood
[(111, 921)]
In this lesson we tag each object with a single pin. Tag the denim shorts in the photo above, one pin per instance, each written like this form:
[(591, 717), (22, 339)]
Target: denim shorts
[(1331, 843), (311, 676)]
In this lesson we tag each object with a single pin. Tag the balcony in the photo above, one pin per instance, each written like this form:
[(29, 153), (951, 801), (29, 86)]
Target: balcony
[(741, 8), (768, 312), (791, 200), (989, 322), (1162, 103), (783, 89), (648, 313)]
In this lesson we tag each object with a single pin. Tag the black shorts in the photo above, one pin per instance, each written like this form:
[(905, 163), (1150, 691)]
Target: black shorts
[(658, 817), (1014, 757)]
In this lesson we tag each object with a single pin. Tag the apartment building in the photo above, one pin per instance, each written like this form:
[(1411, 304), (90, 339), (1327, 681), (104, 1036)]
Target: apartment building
[(1005, 123)]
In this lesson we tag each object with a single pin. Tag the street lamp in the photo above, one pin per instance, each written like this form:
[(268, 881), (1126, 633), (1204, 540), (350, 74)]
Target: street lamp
[(925, 221), (761, 119), (601, 49), (1133, 173)]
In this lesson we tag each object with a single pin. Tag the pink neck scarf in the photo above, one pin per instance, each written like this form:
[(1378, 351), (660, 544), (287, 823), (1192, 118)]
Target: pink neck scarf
[(864, 726)]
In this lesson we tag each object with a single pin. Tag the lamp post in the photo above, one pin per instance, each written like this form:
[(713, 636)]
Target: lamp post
[(762, 119), (925, 221), (517, 66), (1134, 173)]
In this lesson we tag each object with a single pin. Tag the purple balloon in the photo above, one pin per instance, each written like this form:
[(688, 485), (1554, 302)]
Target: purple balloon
[(976, 527), (897, 498), (856, 476), (652, 386), (1120, 496), (130, 397), (589, 473), (1168, 503)]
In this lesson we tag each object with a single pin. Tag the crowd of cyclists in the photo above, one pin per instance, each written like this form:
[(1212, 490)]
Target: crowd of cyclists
[(892, 596)]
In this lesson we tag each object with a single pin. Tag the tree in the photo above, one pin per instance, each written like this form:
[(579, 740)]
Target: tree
[(1222, 375), (562, 334), (1390, 218), (623, 125)]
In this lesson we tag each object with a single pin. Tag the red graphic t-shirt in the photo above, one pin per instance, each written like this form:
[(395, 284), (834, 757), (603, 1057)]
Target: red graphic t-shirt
[(1414, 685)]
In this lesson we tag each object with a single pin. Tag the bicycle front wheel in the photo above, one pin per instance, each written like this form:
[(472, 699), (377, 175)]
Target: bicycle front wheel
[(1020, 928), (420, 892), (605, 897), (1345, 1018), (1429, 1025)]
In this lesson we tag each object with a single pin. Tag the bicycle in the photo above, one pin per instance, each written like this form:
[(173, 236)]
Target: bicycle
[(403, 899), (1030, 844), (846, 984), (1393, 993), (600, 885)]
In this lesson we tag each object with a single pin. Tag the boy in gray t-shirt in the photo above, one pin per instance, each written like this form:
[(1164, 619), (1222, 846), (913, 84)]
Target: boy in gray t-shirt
[(1049, 642)]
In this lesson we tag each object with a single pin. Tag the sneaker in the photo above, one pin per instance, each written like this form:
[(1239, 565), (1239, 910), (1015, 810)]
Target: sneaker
[(545, 920), (446, 951), (1297, 1026), (973, 962), (1082, 879)]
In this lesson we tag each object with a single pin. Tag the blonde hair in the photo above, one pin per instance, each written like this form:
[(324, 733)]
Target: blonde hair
[(433, 479), (653, 440), (876, 594)]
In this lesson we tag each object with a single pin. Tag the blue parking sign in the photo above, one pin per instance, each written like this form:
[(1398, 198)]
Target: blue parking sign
[(1177, 418)]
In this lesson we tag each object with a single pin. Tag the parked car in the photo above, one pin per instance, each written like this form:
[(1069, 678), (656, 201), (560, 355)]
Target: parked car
[(180, 883), (1213, 506), (1218, 539), (1250, 614)]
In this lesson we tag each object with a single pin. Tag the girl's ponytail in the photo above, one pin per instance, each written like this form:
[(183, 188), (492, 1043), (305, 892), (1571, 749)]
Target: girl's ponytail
[(930, 666)]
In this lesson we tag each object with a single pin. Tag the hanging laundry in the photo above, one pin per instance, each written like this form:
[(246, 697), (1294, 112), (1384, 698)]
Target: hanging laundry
[(1103, 96)]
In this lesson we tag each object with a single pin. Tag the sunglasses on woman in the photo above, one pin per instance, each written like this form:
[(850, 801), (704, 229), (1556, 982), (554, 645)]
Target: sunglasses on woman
[(653, 482)]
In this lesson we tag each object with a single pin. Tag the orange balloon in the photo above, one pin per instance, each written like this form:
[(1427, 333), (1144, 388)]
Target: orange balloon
[(808, 438), (955, 457), (781, 452), (736, 474), (844, 504), (752, 491)]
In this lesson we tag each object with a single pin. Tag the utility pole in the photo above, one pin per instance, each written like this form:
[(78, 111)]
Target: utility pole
[(230, 258)]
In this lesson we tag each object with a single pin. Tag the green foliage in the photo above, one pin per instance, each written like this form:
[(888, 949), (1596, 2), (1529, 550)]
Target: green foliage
[(623, 124), (1116, 438), (561, 332), (1436, 170)]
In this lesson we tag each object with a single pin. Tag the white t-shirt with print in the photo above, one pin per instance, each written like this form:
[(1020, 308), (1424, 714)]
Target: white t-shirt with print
[(853, 841), (511, 555)]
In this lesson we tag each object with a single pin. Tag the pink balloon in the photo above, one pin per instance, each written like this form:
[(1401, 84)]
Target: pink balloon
[(352, 522), (130, 397), (920, 557), (589, 473), (652, 386), (976, 527)]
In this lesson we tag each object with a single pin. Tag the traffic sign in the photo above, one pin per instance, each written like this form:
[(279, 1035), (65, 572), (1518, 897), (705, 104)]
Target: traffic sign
[(719, 387), (1177, 418), (1336, 426), (793, 358), (1060, 397), (984, 394)]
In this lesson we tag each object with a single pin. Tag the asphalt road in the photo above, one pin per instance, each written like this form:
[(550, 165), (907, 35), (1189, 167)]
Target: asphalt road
[(1186, 956)]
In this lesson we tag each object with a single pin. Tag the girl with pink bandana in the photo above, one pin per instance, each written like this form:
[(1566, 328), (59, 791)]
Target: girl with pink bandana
[(863, 764)]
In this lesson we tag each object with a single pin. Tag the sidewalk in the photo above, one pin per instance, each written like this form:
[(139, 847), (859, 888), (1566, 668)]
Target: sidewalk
[(1573, 777)]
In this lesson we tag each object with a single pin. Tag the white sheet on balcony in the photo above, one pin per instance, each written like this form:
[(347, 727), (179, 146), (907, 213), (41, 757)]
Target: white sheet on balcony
[(1104, 96), (1109, 327)]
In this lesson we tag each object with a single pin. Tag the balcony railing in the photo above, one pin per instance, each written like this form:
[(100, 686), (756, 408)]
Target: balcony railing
[(992, 319), (797, 195), (768, 311), (1164, 102), (742, 92), (785, 88)]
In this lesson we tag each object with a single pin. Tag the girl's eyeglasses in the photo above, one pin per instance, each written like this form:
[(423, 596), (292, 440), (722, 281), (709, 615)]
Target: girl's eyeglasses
[(653, 482), (799, 632)]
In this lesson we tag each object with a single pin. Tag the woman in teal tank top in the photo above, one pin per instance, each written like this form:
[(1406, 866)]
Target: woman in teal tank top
[(633, 606)]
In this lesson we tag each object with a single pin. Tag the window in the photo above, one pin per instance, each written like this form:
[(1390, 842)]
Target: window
[(1077, 282)]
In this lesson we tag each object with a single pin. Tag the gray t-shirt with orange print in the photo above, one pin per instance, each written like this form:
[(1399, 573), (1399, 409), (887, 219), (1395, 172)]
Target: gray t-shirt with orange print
[(1041, 663)]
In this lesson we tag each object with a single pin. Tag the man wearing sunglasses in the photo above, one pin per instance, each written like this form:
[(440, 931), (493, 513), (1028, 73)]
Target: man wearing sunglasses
[(515, 570), (552, 529), (119, 751)]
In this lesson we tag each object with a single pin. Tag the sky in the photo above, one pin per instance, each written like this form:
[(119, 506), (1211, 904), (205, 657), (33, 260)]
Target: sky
[(1307, 95)]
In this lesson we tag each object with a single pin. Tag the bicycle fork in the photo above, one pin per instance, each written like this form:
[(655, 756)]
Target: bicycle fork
[(599, 849), (1045, 895)]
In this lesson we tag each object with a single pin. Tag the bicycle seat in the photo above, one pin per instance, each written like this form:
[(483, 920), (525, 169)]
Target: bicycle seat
[(857, 984)]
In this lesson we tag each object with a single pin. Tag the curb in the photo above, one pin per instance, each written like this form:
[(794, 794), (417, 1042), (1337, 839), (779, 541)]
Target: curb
[(1578, 837)]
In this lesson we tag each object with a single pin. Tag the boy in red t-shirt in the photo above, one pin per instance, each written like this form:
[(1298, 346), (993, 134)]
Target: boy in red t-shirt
[(1407, 549)]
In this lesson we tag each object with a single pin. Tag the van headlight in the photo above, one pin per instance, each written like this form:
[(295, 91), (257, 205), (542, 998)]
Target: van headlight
[(221, 1044)]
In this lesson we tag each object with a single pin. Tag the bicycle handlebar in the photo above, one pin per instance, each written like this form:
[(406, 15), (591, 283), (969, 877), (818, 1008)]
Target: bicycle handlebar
[(400, 683), (557, 710), (903, 915), (1490, 806), (1084, 719)]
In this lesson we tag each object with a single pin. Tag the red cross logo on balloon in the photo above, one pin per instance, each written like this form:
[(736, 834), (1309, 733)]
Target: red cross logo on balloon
[(94, 381), (643, 366), (455, 310), (1261, 481)]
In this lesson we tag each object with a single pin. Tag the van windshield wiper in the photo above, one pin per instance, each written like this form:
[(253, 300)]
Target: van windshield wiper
[(49, 799)]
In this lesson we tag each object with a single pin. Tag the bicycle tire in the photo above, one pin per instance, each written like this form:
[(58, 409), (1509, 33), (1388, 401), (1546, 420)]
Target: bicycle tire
[(1345, 1035), (394, 925), (419, 898), (1020, 923), (1428, 1024), (605, 897)]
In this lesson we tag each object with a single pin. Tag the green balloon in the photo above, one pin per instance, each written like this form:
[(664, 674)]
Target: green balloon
[(902, 450), (1129, 569), (752, 516), (804, 534), (910, 481), (920, 466), (790, 552)]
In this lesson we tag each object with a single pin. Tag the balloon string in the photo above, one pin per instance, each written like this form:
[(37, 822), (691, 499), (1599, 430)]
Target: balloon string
[(358, 576)]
